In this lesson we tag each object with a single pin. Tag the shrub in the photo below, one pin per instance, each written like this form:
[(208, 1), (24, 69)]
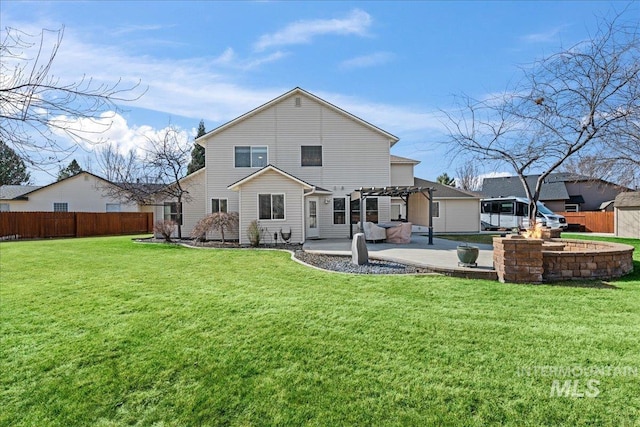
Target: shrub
[(219, 221), (165, 228), (255, 233)]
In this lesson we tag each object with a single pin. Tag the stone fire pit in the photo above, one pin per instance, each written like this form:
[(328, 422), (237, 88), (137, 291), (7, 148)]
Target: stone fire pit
[(523, 260)]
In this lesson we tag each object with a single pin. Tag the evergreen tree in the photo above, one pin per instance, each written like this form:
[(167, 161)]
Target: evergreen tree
[(71, 170), (445, 179), (197, 154), (13, 171)]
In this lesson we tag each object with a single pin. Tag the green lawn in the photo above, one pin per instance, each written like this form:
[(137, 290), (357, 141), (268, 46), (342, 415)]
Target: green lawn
[(107, 332)]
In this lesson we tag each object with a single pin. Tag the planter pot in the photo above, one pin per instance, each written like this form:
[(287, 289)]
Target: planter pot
[(468, 255)]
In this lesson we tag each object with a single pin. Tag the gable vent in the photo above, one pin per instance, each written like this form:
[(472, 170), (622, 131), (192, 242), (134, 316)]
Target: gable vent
[(298, 101)]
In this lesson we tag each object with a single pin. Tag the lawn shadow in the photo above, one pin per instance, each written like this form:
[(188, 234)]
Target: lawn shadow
[(595, 284)]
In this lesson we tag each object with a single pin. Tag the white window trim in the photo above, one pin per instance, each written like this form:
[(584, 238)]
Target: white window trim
[(113, 204), (284, 205), (333, 211), (179, 212), (438, 209), (321, 157), (61, 203), (346, 211), (571, 207), (219, 199), (251, 147)]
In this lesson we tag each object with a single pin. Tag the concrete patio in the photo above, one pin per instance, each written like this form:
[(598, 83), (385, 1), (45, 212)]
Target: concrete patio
[(441, 257)]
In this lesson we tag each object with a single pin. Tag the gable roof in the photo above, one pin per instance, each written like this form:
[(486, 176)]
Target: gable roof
[(36, 189), (445, 191), (9, 192), (266, 169), (402, 160), (295, 91), (629, 199), (552, 189)]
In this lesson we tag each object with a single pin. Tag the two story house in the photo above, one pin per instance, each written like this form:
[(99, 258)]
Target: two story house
[(293, 164)]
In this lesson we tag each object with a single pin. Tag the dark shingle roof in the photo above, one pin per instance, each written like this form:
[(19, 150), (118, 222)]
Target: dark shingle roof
[(444, 190), (553, 188), (8, 192), (630, 199)]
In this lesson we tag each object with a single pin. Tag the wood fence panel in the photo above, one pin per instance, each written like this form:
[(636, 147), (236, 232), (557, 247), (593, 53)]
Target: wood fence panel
[(595, 222), (30, 225)]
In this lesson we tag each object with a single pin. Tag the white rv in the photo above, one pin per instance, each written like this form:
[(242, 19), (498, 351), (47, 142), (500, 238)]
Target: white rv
[(511, 212)]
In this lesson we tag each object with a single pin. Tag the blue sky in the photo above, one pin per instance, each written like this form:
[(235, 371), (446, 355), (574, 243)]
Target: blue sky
[(394, 64)]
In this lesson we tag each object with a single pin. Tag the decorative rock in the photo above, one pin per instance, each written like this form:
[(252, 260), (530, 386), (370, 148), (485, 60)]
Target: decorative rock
[(359, 252)]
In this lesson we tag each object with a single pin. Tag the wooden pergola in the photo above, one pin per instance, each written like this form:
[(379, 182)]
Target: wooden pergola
[(403, 192)]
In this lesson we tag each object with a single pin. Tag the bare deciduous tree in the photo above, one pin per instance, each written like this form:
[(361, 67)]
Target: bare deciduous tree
[(36, 106), (575, 101), (603, 166), (468, 176), (151, 178)]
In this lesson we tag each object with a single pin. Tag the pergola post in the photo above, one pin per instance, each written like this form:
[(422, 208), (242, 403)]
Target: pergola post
[(404, 192), (430, 191), (362, 215)]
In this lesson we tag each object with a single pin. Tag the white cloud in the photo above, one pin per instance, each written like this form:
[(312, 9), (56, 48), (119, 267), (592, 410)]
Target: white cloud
[(112, 128), (138, 28), (302, 32), (377, 58), (550, 35), (207, 88)]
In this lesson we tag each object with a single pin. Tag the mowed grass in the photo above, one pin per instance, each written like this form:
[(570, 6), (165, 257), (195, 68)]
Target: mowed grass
[(108, 332)]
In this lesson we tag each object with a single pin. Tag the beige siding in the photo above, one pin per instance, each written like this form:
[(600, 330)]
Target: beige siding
[(456, 215), (82, 193), (353, 155), (272, 183), (401, 174), (627, 222)]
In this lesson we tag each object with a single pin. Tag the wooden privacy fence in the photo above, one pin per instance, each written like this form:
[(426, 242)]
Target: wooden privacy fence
[(32, 225), (596, 222)]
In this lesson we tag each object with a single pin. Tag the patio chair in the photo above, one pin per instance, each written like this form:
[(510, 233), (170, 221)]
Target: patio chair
[(374, 233)]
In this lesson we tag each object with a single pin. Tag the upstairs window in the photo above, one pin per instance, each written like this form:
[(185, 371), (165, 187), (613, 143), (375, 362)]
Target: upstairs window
[(311, 155), (251, 157)]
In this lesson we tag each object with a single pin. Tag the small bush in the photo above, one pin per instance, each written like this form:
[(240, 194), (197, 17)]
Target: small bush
[(255, 233), (219, 221), (165, 228)]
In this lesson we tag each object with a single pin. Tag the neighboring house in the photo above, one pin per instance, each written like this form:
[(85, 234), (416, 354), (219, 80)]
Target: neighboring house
[(454, 210), (560, 192), (292, 164), (627, 215), (79, 193)]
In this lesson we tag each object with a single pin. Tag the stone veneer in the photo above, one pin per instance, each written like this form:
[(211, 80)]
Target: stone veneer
[(517, 260), (584, 259), (520, 260)]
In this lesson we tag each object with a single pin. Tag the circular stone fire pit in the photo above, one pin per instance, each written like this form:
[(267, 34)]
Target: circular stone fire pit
[(524, 260), (585, 259)]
